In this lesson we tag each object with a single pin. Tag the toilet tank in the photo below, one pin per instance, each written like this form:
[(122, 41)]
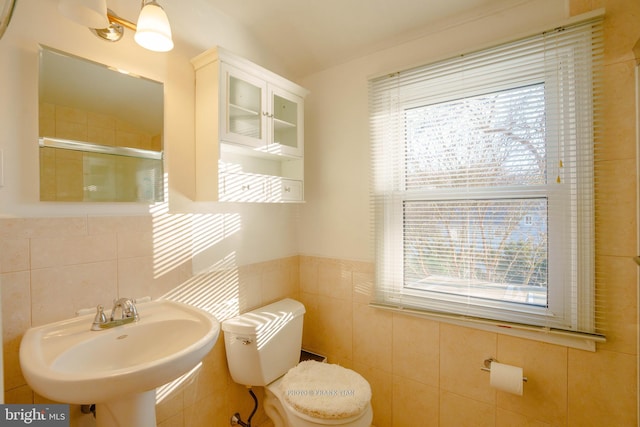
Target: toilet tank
[(263, 344)]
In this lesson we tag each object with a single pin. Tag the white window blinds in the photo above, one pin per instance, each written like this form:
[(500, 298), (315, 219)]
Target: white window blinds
[(483, 190)]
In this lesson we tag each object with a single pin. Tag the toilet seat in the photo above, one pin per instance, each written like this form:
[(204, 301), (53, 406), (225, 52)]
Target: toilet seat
[(287, 416), (323, 391)]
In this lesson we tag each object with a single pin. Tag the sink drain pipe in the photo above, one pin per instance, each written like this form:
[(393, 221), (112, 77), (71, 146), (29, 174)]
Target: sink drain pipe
[(237, 420), (88, 409)]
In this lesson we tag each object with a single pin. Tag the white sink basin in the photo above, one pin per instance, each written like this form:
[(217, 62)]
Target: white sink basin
[(67, 362)]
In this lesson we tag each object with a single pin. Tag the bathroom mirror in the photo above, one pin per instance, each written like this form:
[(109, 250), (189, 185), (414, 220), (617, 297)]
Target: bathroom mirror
[(100, 132)]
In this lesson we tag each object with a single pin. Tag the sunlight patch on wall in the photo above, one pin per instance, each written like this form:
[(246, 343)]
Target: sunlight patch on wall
[(210, 229), (216, 291), (177, 237), (171, 242)]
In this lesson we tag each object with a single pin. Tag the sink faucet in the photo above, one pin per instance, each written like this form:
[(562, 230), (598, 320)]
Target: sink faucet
[(128, 314), (127, 307)]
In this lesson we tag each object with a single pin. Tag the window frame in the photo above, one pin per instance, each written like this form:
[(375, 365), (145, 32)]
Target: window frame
[(572, 304)]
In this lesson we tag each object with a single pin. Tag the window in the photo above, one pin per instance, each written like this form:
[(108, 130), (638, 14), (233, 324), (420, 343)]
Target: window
[(484, 182)]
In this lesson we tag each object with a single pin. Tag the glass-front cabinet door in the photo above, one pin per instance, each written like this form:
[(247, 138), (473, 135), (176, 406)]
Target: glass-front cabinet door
[(286, 118), (245, 118)]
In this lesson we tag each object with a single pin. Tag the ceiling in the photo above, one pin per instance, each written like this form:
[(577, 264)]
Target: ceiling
[(311, 35)]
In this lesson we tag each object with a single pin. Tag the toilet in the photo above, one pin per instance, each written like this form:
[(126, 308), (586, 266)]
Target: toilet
[(263, 349)]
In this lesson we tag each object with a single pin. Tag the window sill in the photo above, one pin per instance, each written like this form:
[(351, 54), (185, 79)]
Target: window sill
[(577, 340)]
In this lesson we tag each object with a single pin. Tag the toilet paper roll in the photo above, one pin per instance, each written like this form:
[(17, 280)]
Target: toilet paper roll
[(506, 378)]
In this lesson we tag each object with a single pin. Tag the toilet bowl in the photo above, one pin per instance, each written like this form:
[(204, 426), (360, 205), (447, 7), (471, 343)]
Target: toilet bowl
[(263, 349)]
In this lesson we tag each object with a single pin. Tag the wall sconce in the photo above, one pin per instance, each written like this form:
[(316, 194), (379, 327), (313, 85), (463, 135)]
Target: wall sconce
[(152, 30)]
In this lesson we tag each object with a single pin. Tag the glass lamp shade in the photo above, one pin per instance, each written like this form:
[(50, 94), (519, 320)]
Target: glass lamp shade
[(89, 13), (154, 32)]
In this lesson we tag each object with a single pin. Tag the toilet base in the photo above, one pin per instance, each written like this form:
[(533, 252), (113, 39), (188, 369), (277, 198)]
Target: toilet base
[(274, 412)]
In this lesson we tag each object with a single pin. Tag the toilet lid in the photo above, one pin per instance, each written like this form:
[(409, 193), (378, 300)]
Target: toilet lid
[(324, 390)]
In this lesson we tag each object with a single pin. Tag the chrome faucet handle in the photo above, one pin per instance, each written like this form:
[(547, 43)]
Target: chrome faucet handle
[(100, 318), (131, 310)]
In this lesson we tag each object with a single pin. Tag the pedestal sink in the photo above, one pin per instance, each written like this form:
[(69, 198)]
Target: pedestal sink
[(119, 368)]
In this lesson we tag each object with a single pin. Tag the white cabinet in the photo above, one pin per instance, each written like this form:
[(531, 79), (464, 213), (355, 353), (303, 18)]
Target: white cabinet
[(249, 131)]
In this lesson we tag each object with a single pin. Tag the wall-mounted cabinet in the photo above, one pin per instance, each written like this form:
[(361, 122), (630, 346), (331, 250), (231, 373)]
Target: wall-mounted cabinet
[(249, 131)]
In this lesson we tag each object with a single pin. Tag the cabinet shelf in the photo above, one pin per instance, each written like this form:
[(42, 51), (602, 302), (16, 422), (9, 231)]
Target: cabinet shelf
[(281, 124), (237, 112)]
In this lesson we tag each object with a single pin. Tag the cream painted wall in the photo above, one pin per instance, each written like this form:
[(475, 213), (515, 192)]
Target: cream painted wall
[(337, 126), (266, 232)]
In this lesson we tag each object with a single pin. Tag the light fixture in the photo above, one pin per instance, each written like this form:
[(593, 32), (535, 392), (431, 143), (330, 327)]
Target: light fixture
[(90, 13), (115, 30), (152, 32)]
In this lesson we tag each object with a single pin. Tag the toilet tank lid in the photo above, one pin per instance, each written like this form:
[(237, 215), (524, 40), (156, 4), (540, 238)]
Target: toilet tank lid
[(253, 321)]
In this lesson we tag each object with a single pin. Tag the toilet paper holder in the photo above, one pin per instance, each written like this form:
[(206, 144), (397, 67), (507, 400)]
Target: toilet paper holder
[(487, 366)]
